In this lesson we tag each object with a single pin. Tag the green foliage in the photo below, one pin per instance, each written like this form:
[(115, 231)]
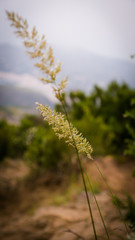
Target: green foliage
[(45, 151), (130, 213), (128, 206), (100, 117), (22, 135), (111, 105), (109, 129), (130, 115), (7, 135), (94, 130), (34, 141), (116, 201), (133, 173)]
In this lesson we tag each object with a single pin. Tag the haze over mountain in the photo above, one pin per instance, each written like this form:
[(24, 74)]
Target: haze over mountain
[(14, 96), (14, 59), (84, 69)]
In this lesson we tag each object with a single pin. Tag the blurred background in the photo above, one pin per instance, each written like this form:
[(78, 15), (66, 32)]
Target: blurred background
[(39, 176)]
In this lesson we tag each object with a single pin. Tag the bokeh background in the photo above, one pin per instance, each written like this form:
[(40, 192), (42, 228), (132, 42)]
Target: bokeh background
[(41, 192)]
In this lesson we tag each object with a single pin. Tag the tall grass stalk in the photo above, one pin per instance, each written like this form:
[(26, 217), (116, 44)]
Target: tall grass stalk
[(82, 172), (86, 192), (98, 207)]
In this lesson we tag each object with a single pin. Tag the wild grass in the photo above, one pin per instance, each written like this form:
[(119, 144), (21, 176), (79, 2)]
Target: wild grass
[(38, 49)]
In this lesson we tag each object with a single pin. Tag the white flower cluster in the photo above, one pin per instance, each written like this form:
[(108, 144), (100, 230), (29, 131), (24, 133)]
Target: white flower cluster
[(63, 129)]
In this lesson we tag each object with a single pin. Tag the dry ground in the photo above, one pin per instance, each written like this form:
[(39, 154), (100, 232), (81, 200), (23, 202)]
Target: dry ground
[(26, 212)]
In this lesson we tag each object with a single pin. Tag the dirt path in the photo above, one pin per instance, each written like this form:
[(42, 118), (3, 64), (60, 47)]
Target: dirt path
[(19, 220), (55, 223)]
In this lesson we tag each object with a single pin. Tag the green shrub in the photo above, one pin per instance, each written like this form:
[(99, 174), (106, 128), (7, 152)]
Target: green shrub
[(24, 132), (128, 206), (130, 115), (45, 151), (100, 117), (7, 136)]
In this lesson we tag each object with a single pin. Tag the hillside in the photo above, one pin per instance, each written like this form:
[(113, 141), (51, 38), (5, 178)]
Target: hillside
[(84, 68), (15, 102), (20, 97)]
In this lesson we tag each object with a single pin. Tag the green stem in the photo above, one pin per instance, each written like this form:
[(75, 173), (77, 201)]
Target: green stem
[(86, 192), (82, 174), (97, 206)]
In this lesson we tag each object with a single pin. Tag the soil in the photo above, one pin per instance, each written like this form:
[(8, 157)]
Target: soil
[(26, 212)]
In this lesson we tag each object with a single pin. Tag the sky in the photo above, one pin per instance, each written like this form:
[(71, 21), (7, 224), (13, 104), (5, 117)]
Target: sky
[(104, 27)]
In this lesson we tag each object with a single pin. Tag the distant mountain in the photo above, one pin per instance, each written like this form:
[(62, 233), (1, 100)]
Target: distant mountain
[(84, 68), (19, 97), (14, 59)]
